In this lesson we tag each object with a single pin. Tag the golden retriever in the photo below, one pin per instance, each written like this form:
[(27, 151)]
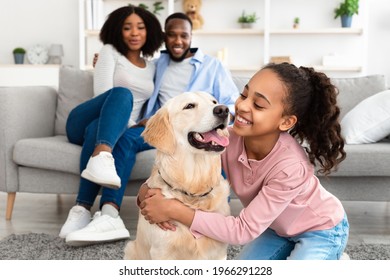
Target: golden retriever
[(189, 133)]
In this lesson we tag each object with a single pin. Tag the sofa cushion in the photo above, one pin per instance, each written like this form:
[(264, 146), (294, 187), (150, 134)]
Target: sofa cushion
[(365, 160), (52, 153), (240, 82), (354, 90), (369, 121), (75, 86), (56, 153)]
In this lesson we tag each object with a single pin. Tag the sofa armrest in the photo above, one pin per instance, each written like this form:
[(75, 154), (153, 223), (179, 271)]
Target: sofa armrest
[(25, 112)]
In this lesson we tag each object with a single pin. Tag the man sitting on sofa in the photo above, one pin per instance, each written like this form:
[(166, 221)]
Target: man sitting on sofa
[(197, 72)]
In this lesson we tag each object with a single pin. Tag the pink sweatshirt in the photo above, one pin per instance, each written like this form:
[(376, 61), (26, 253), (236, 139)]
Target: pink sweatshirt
[(279, 191)]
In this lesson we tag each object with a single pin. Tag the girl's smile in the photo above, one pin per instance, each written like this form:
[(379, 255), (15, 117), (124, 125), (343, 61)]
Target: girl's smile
[(242, 121)]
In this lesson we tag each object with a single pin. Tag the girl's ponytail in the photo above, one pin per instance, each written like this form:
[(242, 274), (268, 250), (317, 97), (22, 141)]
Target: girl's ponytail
[(321, 129)]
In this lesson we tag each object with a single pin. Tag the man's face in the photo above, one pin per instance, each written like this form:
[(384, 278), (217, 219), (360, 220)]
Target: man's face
[(178, 39)]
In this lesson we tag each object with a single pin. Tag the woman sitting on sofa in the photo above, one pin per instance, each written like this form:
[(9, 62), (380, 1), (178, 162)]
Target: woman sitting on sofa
[(123, 82)]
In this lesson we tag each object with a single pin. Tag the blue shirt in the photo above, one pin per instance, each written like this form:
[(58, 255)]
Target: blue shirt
[(209, 75)]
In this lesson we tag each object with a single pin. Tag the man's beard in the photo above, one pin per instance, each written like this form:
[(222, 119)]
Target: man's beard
[(178, 59)]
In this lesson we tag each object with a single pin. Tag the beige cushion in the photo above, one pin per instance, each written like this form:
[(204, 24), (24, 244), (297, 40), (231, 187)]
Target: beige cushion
[(75, 86)]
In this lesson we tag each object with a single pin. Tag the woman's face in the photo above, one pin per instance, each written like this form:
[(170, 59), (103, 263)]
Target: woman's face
[(134, 32), (259, 108)]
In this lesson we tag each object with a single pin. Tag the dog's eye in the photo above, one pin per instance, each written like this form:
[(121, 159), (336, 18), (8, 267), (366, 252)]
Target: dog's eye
[(214, 101), (189, 106)]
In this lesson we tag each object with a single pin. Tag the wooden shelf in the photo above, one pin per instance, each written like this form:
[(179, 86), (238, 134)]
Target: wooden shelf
[(254, 68), (91, 32), (337, 68), (29, 66), (236, 31), (319, 31)]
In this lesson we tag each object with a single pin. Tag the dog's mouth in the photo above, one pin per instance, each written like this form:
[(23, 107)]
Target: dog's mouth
[(214, 140)]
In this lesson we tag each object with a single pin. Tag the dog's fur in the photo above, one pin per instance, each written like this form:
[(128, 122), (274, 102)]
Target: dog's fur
[(181, 167)]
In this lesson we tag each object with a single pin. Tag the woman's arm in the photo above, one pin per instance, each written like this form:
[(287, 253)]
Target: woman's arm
[(103, 77)]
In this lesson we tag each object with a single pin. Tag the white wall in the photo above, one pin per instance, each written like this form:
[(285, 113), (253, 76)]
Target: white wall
[(379, 38), (28, 22), (25, 23)]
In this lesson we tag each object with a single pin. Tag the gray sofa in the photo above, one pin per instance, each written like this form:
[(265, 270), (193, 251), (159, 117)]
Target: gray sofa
[(35, 156)]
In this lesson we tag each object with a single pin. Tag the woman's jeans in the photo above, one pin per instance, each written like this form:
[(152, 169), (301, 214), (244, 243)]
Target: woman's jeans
[(313, 245), (104, 120)]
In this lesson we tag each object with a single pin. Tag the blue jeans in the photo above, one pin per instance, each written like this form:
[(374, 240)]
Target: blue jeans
[(104, 120), (312, 245)]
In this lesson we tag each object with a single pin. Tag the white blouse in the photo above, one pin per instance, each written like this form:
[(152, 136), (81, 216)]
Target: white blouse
[(115, 70)]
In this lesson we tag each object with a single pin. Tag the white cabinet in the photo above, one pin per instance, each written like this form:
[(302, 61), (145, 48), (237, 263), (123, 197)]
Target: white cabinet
[(319, 38)]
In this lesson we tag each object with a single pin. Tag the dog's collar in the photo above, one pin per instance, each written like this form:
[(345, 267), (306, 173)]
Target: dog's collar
[(184, 192)]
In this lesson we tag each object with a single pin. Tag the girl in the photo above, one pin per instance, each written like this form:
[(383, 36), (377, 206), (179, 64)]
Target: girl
[(287, 214), (123, 81)]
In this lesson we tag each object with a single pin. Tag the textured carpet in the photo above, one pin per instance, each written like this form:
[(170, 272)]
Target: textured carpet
[(35, 246)]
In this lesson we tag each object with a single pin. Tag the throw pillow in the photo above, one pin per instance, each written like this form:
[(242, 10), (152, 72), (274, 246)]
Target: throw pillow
[(355, 89), (369, 121), (75, 86)]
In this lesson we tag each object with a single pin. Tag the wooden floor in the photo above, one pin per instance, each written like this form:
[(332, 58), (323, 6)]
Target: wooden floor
[(369, 221)]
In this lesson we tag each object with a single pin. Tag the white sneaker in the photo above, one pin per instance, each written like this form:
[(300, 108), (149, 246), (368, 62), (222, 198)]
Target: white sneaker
[(101, 170), (78, 218), (103, 228)]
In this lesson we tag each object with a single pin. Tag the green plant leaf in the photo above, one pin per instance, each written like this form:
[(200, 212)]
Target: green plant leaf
[(348, 7)]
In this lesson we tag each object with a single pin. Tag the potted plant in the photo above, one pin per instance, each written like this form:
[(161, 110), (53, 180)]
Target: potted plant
[(296, 23), (19, 55), (157, 7), (247, 20), (345, 11)]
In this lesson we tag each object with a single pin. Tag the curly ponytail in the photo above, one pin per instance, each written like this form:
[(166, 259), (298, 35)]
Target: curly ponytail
[(312, 98)]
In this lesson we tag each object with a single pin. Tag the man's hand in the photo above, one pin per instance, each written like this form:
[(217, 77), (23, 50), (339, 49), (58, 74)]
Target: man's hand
[(95, 59), (141, 123)]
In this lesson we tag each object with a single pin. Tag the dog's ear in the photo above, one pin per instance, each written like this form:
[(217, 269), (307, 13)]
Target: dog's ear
[(159, 132)]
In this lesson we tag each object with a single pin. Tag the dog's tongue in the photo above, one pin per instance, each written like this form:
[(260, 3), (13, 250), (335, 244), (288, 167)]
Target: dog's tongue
[(214, 136)]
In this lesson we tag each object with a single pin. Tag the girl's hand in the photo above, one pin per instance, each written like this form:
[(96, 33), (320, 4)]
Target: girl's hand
[(159, 210), (167, 226), (155, 208)]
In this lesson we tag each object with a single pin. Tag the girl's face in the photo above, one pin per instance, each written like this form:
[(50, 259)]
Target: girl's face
[(134, 32), (259, 108)]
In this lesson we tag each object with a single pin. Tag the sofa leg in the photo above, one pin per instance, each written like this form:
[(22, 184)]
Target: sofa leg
[(10, 205)]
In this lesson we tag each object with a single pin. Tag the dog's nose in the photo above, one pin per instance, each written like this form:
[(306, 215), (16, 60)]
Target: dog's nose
[(221, 111)]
